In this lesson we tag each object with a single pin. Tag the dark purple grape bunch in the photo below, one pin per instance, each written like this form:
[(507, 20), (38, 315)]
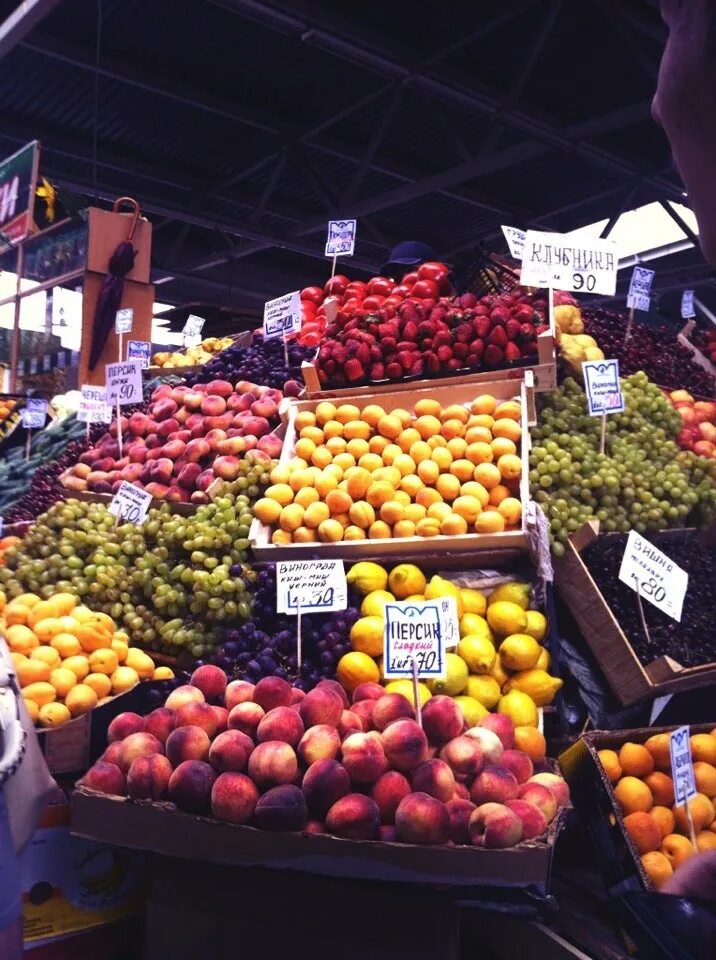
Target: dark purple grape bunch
[(263, 362)]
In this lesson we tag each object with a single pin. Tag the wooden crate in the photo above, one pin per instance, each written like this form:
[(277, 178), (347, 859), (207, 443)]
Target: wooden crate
[(499, 546), (544, 374), (630, 680)]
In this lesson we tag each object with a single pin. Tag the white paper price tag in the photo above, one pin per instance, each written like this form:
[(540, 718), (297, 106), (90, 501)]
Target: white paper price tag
[(554, 260), (130, 503), (682, 768), (341, 238), (317, 586), (282, 315), (515, 241), (34, 414), (639, 296), (657, 578), (192, 328), (601, 383), (687, 305), (419, 632), (123, 320), (139, 350), (124, 382)]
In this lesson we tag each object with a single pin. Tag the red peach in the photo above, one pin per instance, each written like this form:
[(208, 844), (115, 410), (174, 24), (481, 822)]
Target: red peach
[(364, 757), (462, 791), (442, 720), (230, 751), (219, 388), (123, 725), (281, 808), (137, 745), (493, 785), (325, 782), (391, 707), (106, 778), (387, 791), (281, 723), (272, 692), (364, 710), (211, 681), (187, 743), (148, 777), (319, 743), (518, 763), (233, 797), (222, 717), (368, 691), (405, 745), (213, 406), (354, 817), (315, 826), (245, 717), (349, 723), (181, 695), (495, 826), (534, 822), (111, 754), (490, 744), (238, 691), (541, 797), (320, 706), (500, 724), (435, 778), (464, 757), (335, 686), (421, 818), (197, 715), (556, 784), (296, 695), (460, 812), (190, 786), (272, 763)]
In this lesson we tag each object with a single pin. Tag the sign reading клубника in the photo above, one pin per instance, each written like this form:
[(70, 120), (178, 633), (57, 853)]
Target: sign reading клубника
[(569, 263), (420, 633)]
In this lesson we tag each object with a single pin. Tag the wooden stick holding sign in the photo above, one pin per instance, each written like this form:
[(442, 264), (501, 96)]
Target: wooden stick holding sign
[(603, 433), (416, 694), (299, 639)]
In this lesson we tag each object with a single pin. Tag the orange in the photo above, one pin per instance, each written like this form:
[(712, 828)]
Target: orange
[(453, 525), (428, 471), (665, 819), (415, 512), (335, 445), (705, 841), (448, 486), (455, 411), (705, 775), (531, 741), (305, 419), (703, 747), (357, 482), (479, 452), (405, 464), (490, 521), (372, 414), (676, 849), (427, 426), (484, 404), (702, 814), (338, 501), (467, 507), (347, 412), (390, 452), (610, 761), (378, 444), (324, 412), (330, 531), (379, 530), (411, 485), (379, 492), (644, 831), (316, 513), (478, 435), (305, 535), (502, 445), (507, 428), (32, 671), (354, 533), (635, 759), (390, 426), (462, 469), (510, 466), (20, 639), (657, 868), (427, 408), (443, 457), (474, 489), (451, 429), (662, 788), (633, 795), (428, 527), (370, 462), (487, 474), (291, 517), (658, 747), (392, 512), (407, 438), (456, 447), (427, 496), (404, 528), (355, 668), (63, 679), (420, 450), (357, 448), (510, 409), (511, 509)]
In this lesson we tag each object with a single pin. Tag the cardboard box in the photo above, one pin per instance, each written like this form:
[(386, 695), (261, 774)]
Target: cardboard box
[(594, 802), (498, 546), (630, 680)]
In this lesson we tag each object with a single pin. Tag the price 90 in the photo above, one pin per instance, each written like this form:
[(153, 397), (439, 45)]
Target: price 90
[(584, 281)]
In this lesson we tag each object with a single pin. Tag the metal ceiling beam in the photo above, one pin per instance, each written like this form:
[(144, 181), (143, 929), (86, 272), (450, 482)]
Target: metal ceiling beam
[(21, 21), (680, 222), (634, 48)]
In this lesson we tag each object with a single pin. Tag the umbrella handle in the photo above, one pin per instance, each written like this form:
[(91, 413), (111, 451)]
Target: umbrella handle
[(115, 208)]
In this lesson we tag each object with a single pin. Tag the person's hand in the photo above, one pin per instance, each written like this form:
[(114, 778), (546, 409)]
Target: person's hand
[(695, 878)]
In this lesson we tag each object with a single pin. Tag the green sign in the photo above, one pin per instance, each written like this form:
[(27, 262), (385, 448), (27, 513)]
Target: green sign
[(18, 175)]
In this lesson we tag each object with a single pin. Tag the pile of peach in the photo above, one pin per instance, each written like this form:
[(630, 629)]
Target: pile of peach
[(373, 473), (271, 756), (644, 789)]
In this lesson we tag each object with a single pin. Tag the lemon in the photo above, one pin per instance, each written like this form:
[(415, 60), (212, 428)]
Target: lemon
[(506, 617), (478, 652), (473, 601), (484, 689), (415, 598), (406, 579), (513, 592), (367, 576), (536, 625), (537, 684), (439, 587), (520, 708), (499, 674), (455, 677), (406, 688), (473, 623), (545, 661), (472, 710), (519, 651), (367, 636), (374, 603), (355, 668)]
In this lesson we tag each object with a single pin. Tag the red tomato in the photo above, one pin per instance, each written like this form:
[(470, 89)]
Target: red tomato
[(308, 308), (356, 288), (425, 289), (336, 285), (373, 302), (381, 286), (311, 326), (433, 270), (392, 301), (402, 291), (312, 293), (355, 303), (410, 278), (310, 339)]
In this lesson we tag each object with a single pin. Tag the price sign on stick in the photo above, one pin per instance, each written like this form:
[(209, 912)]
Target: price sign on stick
[(601, 382), (139, 350), (93, 405), (682, 768), (191, 334), (341, 238), (123, 320), (421, 633), (316, 586), (130, 503), (124, 382), (639, 296), (282, 315), (568, 263), (34, 414), (515, 241), (653, 575), (687, 305)]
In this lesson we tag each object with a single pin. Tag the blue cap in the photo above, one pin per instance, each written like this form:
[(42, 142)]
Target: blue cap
[(409, 253)]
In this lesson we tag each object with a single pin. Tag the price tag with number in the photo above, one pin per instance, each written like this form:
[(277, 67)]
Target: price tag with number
[(139, 350), (130, 503), (682, 767), (123, 320), (657, 579), (34, 414), (557, 260), (601, 383), (420, 632), (515, 241), (282, 315), (341, 238), (124, 382), (317, 586), (191, 334), (639, 296), (687, 305)]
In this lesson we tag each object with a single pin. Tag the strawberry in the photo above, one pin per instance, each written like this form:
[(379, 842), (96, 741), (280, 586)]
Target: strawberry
[(432, 363), (499, 315), (442, 338), (353, 370), (375, 353), (426, 328), (481, 310), (394, 371), (444, 353), (468, 300), (329, 366), (387, 330), (410, 331), (481, 326), (363, 354), (322, 376), (454, 364), (438, 314), (477, 347), (427, 343), (408, 311), (472, 360), (340, 354), (513, 329), (527, 331), (461, 350), (529, 349), (351, 345), (493, 356), (463, 333), (497, 337), (523, 313), (387, 345), (512, 352), (405, 358), (406, 344), (377, 371), (417, 368)]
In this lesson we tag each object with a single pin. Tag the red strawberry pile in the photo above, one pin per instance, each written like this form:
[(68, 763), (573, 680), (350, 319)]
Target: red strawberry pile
[(413, 331)]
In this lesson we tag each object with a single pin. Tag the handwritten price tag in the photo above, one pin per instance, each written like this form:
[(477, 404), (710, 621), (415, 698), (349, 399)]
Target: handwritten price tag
[(557, 260), (639, 296), (139, 350), (130, 503), (317, 586), (282, 315), (34, 414), (341, 238), (601, 382), (419, 632), (658, 579), (123, 320), (515, 241), (682, 767), (124, 382), (687, 305)]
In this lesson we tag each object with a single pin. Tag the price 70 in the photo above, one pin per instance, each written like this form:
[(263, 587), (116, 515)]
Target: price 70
[(650, 588), (426, 660), (317, 599)]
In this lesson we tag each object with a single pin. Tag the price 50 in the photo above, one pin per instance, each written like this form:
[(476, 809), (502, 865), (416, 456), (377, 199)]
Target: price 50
[(650, 588)]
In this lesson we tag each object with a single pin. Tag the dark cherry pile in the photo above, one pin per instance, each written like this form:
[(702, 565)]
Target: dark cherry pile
[(655, 350), (690, 642), (263, 362)]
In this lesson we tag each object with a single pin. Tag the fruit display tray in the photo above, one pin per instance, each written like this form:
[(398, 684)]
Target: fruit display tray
[(185, 509), (544, 374), (596, 805), (160, 828), (242, 339), (499, 546), (630, 680)]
